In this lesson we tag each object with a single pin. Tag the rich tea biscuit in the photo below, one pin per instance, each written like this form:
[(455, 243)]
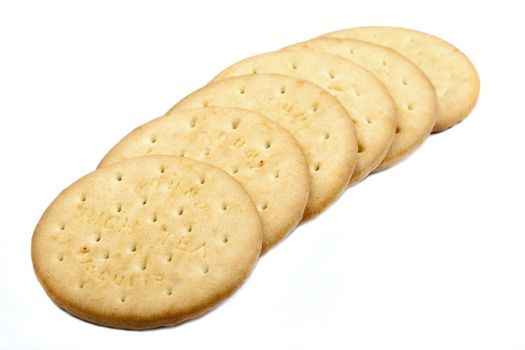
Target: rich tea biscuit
[(451, 72), (360, 92), (147, 242), (412, 91), (314, 117), (265, 159)]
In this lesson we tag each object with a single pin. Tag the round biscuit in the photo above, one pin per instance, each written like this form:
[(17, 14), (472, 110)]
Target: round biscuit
[(265, 159), (147, 242), (316, 119), (454, 77), (412, 91), (363, 96)]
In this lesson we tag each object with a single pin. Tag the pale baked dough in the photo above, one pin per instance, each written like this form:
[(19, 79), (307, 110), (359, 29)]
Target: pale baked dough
[(451, 72), (147, 242), (265, 159), (314, 117), (412, 91), (363, 96)]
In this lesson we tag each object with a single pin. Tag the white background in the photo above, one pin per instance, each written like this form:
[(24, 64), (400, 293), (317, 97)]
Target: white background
[(427, 255)]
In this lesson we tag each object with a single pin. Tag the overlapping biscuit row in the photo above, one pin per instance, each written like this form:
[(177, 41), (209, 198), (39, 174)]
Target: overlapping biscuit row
[(178, 212)]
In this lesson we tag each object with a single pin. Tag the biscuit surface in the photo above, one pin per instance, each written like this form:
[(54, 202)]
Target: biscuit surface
[(410, 88), (361, 94), (316, 119), (454, 77), (265, 159), (147, 242)]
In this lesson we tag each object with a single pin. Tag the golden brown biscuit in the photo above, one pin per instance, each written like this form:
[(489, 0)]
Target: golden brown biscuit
[(147, 242), (412, 91), (363, 96), (316, 119), (451, 72), (265, 159)]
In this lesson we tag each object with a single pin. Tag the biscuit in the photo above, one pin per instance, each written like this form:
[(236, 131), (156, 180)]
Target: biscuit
[(147, 242), (316, 119), (361, 93), (265, 159), (454, 77), (412, 91)]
